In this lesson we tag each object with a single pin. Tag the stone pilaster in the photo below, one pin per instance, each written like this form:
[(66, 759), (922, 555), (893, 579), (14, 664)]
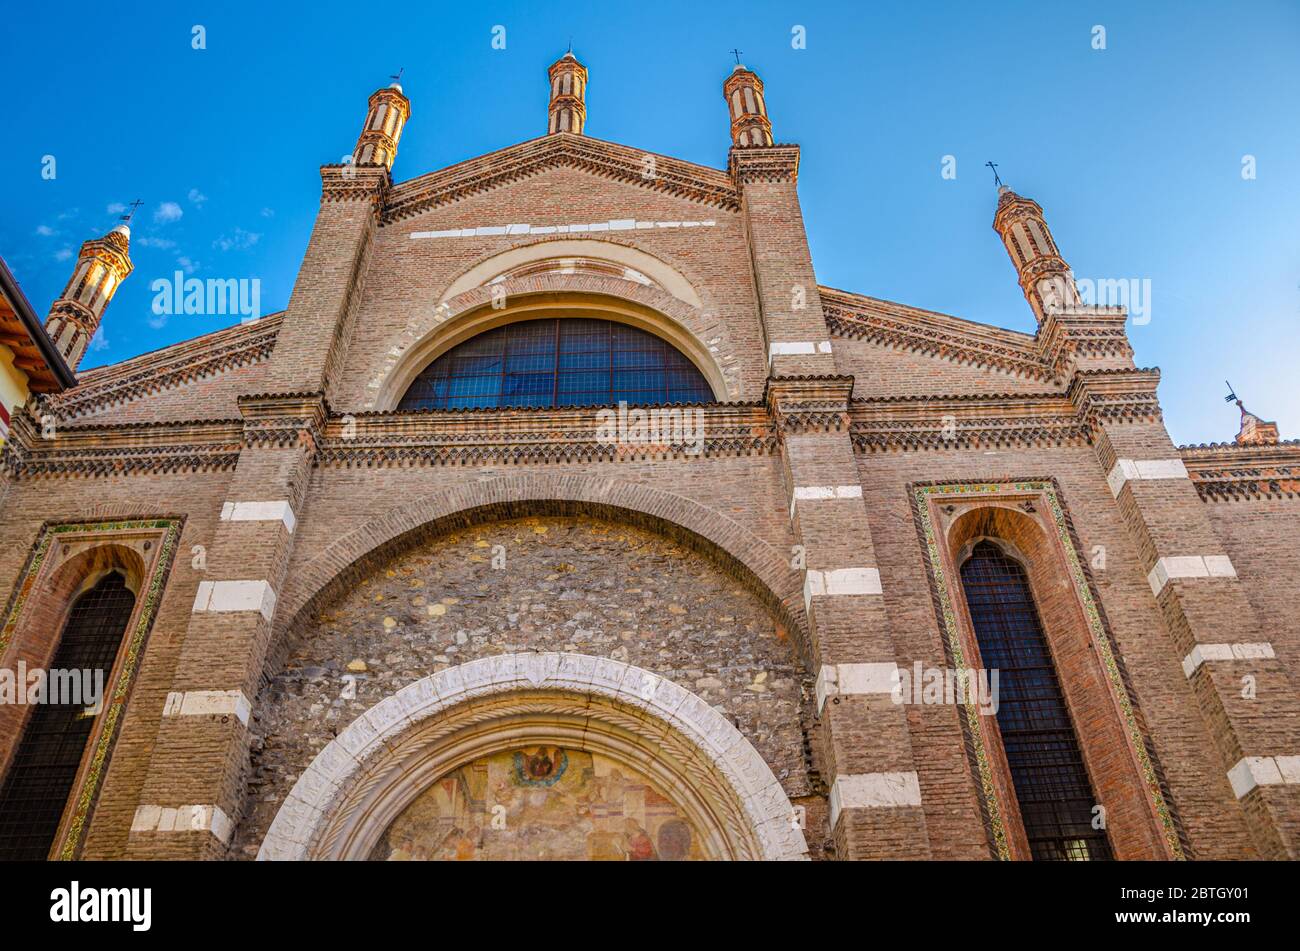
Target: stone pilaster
[(317, 323), (795, 329), (867, 752), (1247, 698), (197, 775)]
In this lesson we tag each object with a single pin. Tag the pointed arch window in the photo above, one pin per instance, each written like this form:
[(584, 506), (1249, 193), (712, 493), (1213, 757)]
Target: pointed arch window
[(1042, 749), (567, 361), (45, 764)]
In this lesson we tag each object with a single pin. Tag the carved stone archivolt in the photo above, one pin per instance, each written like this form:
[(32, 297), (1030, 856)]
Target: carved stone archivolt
[(379, 764)]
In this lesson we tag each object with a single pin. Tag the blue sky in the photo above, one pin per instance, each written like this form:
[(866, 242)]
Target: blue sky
[(1135, 151)]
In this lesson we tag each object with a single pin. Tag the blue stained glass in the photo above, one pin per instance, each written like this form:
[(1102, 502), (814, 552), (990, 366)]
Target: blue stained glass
[(558, 362)]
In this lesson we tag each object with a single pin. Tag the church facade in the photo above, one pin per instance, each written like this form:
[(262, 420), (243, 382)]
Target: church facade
[(563, 514)]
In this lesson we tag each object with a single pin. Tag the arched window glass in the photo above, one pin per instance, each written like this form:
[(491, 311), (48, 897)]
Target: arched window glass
[(1042, 749), (566, 361), (45, 764)]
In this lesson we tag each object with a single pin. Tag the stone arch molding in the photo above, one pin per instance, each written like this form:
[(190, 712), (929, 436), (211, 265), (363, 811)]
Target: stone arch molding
[(362, 780), (503, 497), (432, 330)]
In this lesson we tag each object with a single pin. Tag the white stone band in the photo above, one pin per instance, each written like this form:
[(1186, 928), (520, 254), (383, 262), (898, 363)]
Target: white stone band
[(1252, 771), (848, 679), (874, 791), (823, 493), (1207, 652), (235, 596), (200, 703), (615, 224), (1189, 566), (797, 348), (280, 511), (183, 819), (839, 581), (1126, 469)]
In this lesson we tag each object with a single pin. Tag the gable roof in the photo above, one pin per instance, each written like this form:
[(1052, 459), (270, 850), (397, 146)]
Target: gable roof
[(934, 334), (699, 183), (23, 333)]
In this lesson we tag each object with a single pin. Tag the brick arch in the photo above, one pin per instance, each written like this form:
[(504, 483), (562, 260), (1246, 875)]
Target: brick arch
[(737, 550), (701, 335)]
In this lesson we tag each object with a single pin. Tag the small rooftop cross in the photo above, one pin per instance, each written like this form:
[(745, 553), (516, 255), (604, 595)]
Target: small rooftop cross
[(397, 78), (134, 205), (1232, 395), (996, 178), (736, 53)]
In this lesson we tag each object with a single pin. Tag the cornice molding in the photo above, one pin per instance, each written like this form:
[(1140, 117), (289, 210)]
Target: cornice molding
[(696, 183), (965, 422), (169, 368), (764, 164), (1226, 472), (857, 317)]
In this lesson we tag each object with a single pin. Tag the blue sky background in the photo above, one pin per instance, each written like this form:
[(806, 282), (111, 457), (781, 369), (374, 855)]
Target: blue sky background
[(1135, 152)]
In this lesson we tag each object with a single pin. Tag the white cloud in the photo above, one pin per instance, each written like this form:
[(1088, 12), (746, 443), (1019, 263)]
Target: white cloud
[(62, 254), (268, 212), (45, 231), (116, 208), (241, 240), (167, 212), (165, 244), (188, 266), (197, 197), (99, 341)]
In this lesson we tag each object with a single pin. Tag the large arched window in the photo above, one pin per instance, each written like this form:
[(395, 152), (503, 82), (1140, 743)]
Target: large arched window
[(1042, 749), (566, 361), (45, 764)]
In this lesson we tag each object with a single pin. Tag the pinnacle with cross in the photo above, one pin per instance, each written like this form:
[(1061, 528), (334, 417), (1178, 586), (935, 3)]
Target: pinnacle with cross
[(736, 53), (997, 180), (134, 205)]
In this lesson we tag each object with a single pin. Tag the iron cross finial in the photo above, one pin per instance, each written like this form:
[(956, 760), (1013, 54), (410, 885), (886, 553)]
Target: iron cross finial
[(134, 205), (997, 180), (736, 53), (398, 77)]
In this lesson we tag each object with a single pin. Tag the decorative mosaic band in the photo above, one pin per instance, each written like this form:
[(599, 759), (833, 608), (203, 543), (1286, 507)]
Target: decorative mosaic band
[(1101, 640)]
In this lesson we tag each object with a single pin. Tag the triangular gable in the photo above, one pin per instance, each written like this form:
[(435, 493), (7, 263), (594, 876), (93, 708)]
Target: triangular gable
[(699, 183)]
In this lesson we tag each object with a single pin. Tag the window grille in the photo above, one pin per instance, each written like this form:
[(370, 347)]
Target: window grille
[(45, 764), (1042, 749), (567, 361)]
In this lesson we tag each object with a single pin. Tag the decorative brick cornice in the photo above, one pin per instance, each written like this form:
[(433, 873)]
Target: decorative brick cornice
[(803, 404), (1094, 333), (965, 422), (857, 317), (1226, 472), (93, 451), (1103, 396), (355, 183), (764, 165), (697, 183), (532, 436), (283, 419), (171, 367)]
